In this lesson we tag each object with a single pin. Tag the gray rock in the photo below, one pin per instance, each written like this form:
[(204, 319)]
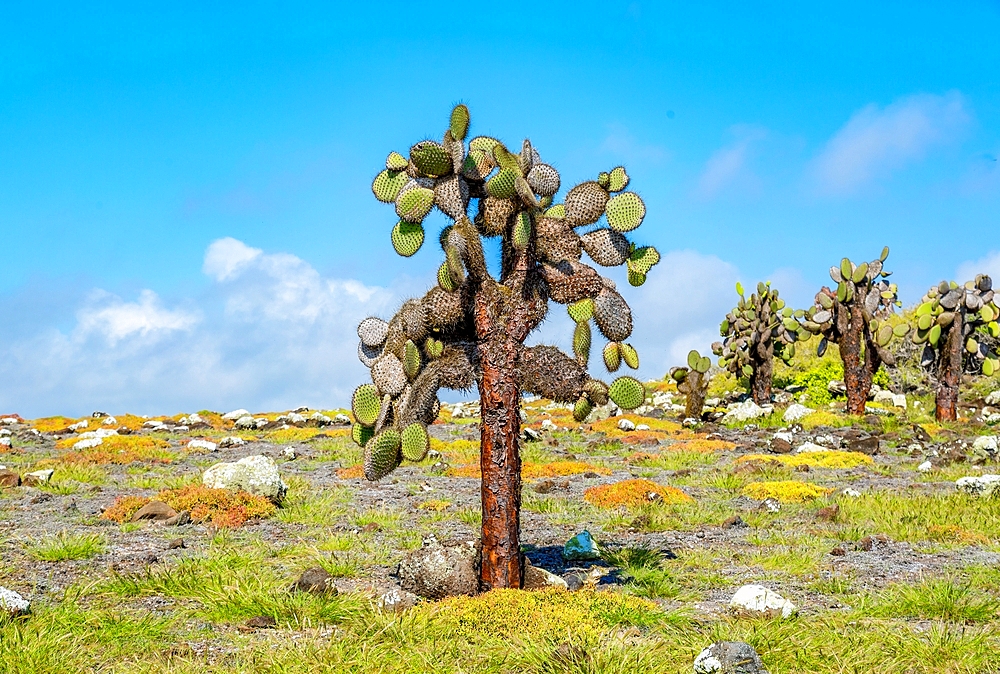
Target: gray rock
[(439, 570), (745, 411), (795, 413), (12, 603), (232, 441), (729, 657), (536, 578), (255, 474), (315, 581), (397, 600), (837, 387), (37, 477), (246, 422), (235, 414), (982, 485)]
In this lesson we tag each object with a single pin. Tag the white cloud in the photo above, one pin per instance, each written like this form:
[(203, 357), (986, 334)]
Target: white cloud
[(988, 264), (108, 315), (876, 141), (622, 144), (728, 165), (226, 257)]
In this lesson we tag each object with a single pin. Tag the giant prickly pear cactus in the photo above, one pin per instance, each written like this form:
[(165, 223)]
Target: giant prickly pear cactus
[(693, 382), (759, 328), (852, 316), (471, 327), (948, 320)]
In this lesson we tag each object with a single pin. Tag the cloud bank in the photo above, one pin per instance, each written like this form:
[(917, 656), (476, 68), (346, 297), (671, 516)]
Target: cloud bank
[(271, 333)]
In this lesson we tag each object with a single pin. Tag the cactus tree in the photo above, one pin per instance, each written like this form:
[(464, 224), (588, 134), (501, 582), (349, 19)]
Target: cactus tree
[(853, 317), (948, 319), (758, 329), (470, 328), (693, 382)]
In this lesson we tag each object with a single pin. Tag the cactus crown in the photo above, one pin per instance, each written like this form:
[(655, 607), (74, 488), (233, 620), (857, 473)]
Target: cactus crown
[(433, 342), (759, 320), (974, 306)]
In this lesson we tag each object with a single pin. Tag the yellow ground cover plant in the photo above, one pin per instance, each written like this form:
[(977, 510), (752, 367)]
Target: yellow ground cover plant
[(785, 491), (831, 459), (633, 493)]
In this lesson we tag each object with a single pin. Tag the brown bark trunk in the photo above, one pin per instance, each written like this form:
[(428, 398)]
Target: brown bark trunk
[(499, 458), (857, 378), (762, 362), (695, 400), (950, 372)]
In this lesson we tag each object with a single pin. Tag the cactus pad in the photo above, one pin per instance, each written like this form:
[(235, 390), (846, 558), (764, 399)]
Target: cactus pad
[(433, 348), (431, 159), (444, 278), (627, 392), (642, 259), (585, 203), (483, 144), (612, 356), (612, 315), (522, 230), (557, 211), (365, 404), (451, 195), (407, 238), (502, 185), (625, 212), (582, 409), (459, 122), (478, 165), (382, 454), (494, 215), (411, 359), (606, 247), (415, 442), (581, 342), (581, 311), (387, 185), (544, 180), (368, 354), (388, 375), (372, 331), (361, 434), (597, 391), (413, 204), (629, 355), (618, 179)]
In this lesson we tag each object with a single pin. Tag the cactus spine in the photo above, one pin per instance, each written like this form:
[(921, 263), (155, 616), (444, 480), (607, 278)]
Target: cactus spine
[(470, 328), (852, 316), (951, 323)]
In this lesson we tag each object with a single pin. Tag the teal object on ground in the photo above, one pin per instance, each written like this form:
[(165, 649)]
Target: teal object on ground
[(581, 547)]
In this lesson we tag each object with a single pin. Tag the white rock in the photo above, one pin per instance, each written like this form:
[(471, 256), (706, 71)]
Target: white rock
[(110, 421), (784, 435), (87, 443), (548, 425), (759, 599), (195, 418), (320, 419), (925, 467), (246, 421), (13, 603), (626, 425), (289, 453), (807, 447), (4, 431), (342, 420), (9, 420), (983, 485), (235, 414), (689, 422), (256, 474), (796, 412), (853, 493), (884, 397), (78, 425), (993, 419), (531, 435), (986, 443), (827, 441), (642, 427), (99, 433), (707, 663), (746, 411), (202, 444), (232, 441), (295, 418), (991, 399), (42, 476), (5, 441), (662, 399), (899, 400), (152, 423)]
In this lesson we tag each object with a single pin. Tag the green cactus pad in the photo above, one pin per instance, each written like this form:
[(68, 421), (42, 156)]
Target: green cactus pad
[(612, 356), (365, 404), (581, 311), (414, 204), (934, 335), (627, 392), (415, 442), (901, 329), (407, 238), (990, 366), (459, 122), (846, 268), (885, 254), (361, 434), (643, 259), (884, 335), (971, 345), (396, 162), (581, 341), (629, 355), (582, 409), (483, 144), (382, 454), (444, 278), (860, 272), (433, 348), (636, 278), (604, 179), (411, 359), (597, 391), (625, 212), (557, 211), (431, 159), (387, 184), (522, 230), (692, 359), (502, 185), (617, 179)]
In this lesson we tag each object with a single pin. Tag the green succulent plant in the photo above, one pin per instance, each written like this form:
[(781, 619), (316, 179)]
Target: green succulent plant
[(952, 322), (470, 328), (853, 316), (756, 331)]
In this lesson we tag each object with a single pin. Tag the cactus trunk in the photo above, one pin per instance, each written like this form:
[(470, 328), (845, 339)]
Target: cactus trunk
[(500, 459), (950, 372), (762, 362), (695, 401), (857, 366)]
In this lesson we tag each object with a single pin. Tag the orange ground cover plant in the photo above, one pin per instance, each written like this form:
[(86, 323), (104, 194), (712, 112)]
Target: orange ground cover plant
[(633, 493), (220, 507)]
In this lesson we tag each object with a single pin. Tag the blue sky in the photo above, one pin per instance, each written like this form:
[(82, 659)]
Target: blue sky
[(185, 216)]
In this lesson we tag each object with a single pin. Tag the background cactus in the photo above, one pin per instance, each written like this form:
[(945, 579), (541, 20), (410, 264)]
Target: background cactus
[(759, 328), (693, 382), (853, 317), (951, 322), (471, 327)]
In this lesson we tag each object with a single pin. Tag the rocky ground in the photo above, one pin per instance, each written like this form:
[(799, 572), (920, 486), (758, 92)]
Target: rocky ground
[(872, 549)]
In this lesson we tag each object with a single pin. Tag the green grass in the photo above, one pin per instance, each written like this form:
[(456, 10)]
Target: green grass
[(65, 546)]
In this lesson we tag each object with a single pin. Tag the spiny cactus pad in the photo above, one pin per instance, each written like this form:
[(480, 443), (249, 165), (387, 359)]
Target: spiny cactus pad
[(459, 123), (372, 331), (612, 356), (581, 311), (365, 404), (361, 434), (630, 356), (585, 203), (625, 212), (413, 204), (627, 392), (415, 442), (407, 238), (388, 183), (431, 159), (382, 454)]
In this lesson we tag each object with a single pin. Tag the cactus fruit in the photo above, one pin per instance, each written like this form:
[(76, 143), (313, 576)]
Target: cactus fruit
[(470, 328), (407, 238), (951, 322), (627, 392), (415, 442), (584, 204), (759, 328), (413, 204), (625, 212), (850, 316), (365, 404), (606, 247), (382, 454)]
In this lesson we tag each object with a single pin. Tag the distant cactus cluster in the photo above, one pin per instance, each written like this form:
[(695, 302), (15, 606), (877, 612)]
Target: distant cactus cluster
[(951, 321), (438, 341), (693, 382), (757, 330)]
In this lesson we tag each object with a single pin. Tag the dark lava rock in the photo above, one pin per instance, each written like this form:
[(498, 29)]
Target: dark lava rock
[(315, 581), (729, 657), (869, 445)]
